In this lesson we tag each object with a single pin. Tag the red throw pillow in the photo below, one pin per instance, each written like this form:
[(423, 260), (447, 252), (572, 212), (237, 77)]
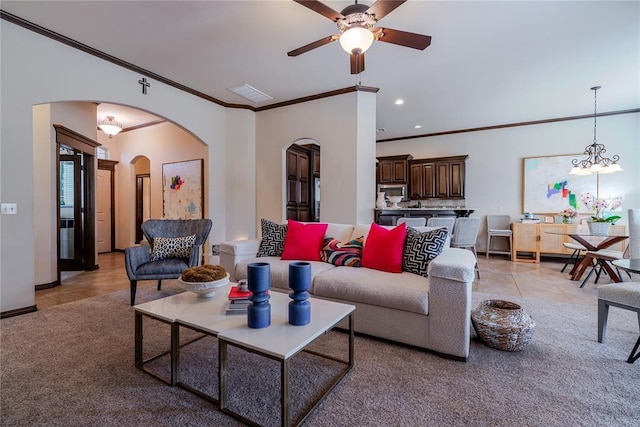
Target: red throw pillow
[(383, 248), (303, 241)]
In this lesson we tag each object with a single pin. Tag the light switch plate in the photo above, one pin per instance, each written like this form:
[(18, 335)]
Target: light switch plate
[(9, 208)]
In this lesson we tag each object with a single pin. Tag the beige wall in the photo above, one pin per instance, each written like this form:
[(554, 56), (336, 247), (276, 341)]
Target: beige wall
[(494, 167), (344, 127), (162, 143), (36, 70)]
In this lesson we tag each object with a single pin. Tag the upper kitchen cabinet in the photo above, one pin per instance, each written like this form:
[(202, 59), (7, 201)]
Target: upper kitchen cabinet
[(441, 178), (393, 169)]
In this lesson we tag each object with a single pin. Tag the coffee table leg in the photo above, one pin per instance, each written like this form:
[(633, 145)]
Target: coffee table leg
[(222, 373), (284, 390), (138, 340), (175, 352)]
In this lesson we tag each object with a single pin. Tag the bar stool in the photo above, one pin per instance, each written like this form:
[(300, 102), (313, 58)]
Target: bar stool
[(499, 226)]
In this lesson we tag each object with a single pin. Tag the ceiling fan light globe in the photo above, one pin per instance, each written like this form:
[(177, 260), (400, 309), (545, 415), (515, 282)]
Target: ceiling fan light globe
[(356, 40)]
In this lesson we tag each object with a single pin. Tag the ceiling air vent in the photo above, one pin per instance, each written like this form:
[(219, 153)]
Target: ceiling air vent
[(249, 92)]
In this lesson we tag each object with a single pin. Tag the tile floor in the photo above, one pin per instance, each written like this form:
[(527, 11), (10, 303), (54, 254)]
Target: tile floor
[(498, 275)]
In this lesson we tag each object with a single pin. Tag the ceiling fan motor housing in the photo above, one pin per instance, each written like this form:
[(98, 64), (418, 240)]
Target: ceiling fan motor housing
[(356, 14)]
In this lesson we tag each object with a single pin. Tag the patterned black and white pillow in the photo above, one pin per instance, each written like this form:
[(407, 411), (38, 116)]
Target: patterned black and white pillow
[(421, 248), (273, 235), (172, 247)]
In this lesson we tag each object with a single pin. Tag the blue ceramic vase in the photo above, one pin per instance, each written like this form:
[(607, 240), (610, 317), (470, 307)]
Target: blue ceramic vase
[(259, 282), (299, 282)]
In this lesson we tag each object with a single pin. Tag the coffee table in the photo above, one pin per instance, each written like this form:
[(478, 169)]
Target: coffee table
[(280, 341)]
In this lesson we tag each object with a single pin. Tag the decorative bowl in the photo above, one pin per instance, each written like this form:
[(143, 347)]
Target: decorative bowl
[(395, 200), (203, 289)]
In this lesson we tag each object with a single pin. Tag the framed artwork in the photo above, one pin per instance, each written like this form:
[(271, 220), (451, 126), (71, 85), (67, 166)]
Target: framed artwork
[(183, 189), (549, 220), (548, 188)]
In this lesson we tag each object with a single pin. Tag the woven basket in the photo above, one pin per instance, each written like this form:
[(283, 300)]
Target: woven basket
[(502, 325)]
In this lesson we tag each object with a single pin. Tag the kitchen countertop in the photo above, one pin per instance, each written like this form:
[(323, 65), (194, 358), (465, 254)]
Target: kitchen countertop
[(427, 209)]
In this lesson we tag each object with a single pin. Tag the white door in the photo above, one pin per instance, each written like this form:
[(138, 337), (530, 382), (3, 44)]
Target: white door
[(103, 211)]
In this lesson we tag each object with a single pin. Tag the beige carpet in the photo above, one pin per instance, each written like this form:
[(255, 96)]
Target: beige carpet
[(72, 365)]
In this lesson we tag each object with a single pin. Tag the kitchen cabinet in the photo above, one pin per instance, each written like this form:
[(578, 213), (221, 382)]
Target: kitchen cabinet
[(442, 178), (531, 240), (422, 180), (393, 169)]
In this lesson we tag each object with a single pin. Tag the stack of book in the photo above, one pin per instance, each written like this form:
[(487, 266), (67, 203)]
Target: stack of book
[(238, 301)]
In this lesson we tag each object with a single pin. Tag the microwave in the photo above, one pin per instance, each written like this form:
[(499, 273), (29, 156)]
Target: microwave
[(393, 190)]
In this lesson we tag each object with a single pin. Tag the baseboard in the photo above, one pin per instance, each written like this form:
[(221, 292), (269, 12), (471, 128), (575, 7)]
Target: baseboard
[(47, 285), (18, 312)]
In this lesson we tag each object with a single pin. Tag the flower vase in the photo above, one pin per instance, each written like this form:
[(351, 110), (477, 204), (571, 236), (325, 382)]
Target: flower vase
[(599, 228), (259, 282), (381, 203), (299, 282)]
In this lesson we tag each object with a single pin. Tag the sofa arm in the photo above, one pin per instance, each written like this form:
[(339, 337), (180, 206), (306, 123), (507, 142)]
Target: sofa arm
[(235, 251), (451, 276)]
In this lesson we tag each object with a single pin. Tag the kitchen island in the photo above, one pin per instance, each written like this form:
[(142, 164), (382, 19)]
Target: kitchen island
[(389, 216)]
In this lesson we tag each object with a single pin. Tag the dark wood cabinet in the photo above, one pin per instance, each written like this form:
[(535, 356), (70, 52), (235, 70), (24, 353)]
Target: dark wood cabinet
[(393, 169), (441, 178), (422, 180)]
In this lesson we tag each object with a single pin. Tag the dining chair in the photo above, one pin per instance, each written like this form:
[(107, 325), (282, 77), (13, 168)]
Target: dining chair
[(465, 234), (499, 226), (412, 222), (578, 249), (605, 256)]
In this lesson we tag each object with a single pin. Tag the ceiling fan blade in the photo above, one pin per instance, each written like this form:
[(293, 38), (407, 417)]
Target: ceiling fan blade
[(382, 8), (357, 63), (315, 44), (321, 8), (402, 38)]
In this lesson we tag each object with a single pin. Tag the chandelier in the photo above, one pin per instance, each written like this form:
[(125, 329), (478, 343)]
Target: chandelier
[(110, 126), (595, 162)]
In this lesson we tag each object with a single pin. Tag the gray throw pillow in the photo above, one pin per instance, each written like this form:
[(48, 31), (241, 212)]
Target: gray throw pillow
[(273, 235), (421, 248)]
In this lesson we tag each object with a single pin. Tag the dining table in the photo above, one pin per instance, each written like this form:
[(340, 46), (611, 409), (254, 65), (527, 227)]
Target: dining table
[(592, 244)]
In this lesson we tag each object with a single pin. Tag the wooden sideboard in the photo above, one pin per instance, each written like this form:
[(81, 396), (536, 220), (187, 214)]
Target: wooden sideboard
[(531, 240)]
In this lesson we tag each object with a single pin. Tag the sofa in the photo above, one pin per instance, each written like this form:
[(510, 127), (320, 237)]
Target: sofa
[(431, 313)]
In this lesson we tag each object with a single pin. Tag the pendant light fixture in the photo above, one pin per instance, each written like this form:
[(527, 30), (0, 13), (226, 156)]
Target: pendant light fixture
[(110, 126), (595, 162)]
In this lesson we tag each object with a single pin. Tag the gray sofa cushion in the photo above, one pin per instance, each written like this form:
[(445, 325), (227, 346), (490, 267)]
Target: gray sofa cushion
[(402, 291), (280, 270)]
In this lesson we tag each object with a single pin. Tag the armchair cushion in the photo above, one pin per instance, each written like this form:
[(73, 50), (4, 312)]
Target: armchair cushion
[(172, 247)]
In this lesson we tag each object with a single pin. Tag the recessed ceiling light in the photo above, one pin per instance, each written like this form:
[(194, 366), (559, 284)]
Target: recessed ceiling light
[(399, 101), (418, 126)]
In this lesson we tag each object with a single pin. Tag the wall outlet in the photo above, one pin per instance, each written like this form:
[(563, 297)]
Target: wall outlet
[(215, 249), (9, 208)]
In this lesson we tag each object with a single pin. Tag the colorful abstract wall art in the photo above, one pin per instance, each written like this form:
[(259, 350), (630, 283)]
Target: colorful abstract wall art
[(548, 188), (183, 190)]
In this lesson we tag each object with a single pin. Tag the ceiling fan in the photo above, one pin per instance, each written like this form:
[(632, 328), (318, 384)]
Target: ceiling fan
[(357, 29)]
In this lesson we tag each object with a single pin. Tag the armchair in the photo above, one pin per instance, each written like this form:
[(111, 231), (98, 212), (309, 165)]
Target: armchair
[(175, 245)]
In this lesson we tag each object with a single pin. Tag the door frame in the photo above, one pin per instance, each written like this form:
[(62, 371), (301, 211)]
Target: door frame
[(70, 138), (140, 204), (110, 165)]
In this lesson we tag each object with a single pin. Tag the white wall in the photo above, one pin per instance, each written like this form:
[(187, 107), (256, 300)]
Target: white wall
[(494, 167), (344, 127), (37, 70)]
